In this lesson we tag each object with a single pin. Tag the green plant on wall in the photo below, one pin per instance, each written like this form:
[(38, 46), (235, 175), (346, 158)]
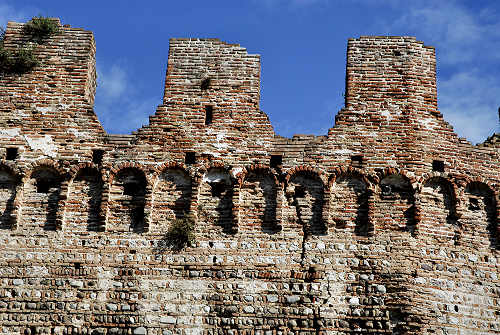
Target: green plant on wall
[(23, 59), (19, 61), (40, 28), (179, 234)]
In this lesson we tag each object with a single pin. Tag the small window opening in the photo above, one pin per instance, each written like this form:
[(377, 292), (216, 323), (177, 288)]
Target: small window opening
[(132, 252), (276, 161), (11, 154), (205, 84), (209, 114), (397, 53), (456, 308), (217, 188), (137, 216), (190, 158), (44, 185), (300, 192), (357, 161), (77, 266), (474, 204), (438, 166), (97, 155), (131, 188)]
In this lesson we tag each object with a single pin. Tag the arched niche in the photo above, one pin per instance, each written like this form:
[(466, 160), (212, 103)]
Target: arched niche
[(395, 204), (9, 184), (258, 202), (127, 200), (349, 195), (437, 204), (83, 207), (42, 193), (480, 216), (171, 196), (305, 196), (215, 200)]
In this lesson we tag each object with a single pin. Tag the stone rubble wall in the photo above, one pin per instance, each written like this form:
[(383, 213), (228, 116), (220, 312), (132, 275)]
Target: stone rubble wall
[(387, 225)]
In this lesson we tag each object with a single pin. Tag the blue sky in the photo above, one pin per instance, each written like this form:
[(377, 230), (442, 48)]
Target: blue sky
[(302, 44)]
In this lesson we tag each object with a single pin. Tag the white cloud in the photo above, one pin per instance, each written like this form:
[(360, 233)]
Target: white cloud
[(118, 104), (112, 82), (469, 101), (123, 117), (460, 32)]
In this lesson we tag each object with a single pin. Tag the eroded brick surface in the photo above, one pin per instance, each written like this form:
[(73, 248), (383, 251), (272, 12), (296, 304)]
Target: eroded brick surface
[(387, 225)]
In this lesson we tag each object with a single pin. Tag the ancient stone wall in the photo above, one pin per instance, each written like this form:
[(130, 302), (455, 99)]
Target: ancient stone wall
[(387, 225)]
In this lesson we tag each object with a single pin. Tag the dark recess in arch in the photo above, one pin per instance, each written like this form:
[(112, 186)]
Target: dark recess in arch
[(481, 198), (308, 198), (48, 181), (266, 183), (395, 189), (133, 183), (8, 190), (92, 177)]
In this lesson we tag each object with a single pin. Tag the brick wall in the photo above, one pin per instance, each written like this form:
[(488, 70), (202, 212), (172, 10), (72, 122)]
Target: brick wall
[(387, 225)]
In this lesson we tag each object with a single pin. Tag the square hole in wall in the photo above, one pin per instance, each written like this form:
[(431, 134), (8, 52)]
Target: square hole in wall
[(300, 192), (209, 115), (97, 155), (190, 158), (217, 188), (205, 84), (11, 154), (44, 185), (276, 161), (131, 188), (357, 161), (438, 166)]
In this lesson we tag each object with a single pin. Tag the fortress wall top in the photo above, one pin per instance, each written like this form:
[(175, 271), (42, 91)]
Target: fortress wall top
[(211, 103), (384, 71), (52, 105), (213, 68)]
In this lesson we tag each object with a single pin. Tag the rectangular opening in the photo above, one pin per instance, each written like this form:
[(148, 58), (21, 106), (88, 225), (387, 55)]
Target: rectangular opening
[(276, 161), (77, 265), (97, 155), (190, 158), (205, 84), (44, 185), (209, 114), (131, 188), (217, 188), (300, 192), (11, 154), (438, 166), (357, 161)]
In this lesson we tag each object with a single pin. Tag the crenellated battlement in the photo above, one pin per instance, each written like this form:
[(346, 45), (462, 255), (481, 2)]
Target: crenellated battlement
[(388, 224)]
